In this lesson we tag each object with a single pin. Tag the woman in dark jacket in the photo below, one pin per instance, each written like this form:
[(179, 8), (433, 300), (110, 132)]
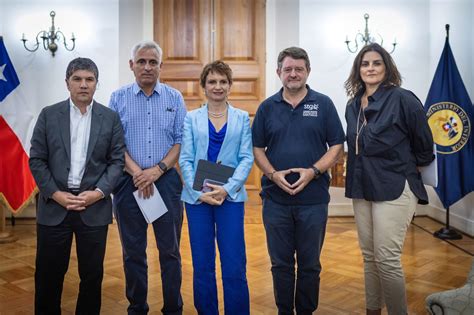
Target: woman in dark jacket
[(388, 138)]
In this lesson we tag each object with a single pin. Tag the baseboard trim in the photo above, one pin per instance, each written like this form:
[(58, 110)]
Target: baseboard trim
[(465, 225), (340, 210), (458, 222)]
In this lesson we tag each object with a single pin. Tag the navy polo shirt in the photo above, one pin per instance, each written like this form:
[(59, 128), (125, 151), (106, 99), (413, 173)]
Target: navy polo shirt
[(297, 137)]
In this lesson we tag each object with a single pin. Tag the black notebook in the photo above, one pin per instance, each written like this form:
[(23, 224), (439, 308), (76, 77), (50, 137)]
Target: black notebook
[(211, 171)]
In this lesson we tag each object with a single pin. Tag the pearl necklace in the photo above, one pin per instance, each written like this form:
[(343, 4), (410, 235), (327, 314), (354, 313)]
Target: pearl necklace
[(217, 115)]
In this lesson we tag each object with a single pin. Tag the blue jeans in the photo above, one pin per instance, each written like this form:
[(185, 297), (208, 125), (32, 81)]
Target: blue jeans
[(133, 234), (290, 230), (226, 224)]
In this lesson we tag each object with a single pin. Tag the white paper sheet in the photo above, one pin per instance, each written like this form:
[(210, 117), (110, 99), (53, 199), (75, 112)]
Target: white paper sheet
[(429, 173), (153, 207)]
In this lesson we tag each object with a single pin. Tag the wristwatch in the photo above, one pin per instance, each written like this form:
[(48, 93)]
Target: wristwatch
[(163, 166), (316, 171)]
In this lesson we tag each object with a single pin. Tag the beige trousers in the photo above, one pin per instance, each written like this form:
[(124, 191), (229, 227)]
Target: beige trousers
[(382, 227)]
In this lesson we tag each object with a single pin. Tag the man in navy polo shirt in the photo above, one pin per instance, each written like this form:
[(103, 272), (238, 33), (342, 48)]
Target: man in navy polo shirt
[(297, 136)]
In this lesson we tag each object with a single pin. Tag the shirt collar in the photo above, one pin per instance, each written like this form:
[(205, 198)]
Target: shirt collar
[(377, 100), (137, 89), (77, 110), (379, 93), (374, 97)]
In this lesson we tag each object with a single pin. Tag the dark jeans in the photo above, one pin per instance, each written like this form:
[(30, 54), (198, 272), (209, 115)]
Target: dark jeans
[(133, 234), (224, 223), (52, 260), (290, 230)]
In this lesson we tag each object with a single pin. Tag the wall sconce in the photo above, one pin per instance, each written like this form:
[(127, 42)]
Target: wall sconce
[(366, 38), (49, 38)]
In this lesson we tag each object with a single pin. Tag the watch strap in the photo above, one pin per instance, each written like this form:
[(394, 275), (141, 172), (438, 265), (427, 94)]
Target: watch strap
[(316, 171), (163, 166)]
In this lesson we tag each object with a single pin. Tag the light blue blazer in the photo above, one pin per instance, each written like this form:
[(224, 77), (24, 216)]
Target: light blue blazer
[(236, 151)]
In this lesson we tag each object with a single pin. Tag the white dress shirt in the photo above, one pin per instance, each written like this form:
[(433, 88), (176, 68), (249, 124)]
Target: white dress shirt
[(80, 131)]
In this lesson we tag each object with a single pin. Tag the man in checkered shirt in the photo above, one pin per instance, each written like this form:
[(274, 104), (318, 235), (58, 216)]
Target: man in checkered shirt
[(152, 116)]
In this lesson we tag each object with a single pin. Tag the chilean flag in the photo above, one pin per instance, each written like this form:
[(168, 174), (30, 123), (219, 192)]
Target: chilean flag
[(17, 185)]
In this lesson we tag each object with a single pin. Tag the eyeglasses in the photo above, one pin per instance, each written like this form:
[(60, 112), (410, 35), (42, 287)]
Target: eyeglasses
[(289, 70)]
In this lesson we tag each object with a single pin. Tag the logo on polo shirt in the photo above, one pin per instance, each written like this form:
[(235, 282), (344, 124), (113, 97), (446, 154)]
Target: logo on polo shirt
[(310, 110), (450, 126)]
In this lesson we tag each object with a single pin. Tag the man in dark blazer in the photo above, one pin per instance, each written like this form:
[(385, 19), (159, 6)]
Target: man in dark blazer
[(76, 157)]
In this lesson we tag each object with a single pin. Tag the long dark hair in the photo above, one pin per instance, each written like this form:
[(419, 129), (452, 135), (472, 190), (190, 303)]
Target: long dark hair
[(354, 84)]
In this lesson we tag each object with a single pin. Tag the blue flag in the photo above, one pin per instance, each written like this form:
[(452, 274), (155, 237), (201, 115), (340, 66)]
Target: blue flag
[(450, 116), (8, 78)]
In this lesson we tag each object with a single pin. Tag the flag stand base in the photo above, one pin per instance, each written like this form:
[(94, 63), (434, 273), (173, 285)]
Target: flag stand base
[(447, 234)]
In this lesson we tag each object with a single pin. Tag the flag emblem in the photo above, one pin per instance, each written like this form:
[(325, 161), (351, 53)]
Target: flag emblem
[(8, 78), (450, 126)]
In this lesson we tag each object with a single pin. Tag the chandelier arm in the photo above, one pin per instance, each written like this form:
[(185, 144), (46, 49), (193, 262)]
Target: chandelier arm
[(360, 38), (64, 41), (348, 47), (36, 46), (45, 39), (73, 45), (58, 36), (393, 49), (381, 39), (355, 46)]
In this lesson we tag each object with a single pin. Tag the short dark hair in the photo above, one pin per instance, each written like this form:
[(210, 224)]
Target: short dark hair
[(295, 53), (354, 84), (82, 64), (217, 66)]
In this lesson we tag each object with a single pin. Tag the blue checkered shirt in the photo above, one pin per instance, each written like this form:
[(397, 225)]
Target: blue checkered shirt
[(152, 124)]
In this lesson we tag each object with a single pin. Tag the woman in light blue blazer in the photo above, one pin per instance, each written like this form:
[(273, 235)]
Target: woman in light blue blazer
[(220, 133)]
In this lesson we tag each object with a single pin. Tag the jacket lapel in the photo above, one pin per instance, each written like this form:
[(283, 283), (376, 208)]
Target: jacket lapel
[(96, 125), (203, 129), (65, 128)]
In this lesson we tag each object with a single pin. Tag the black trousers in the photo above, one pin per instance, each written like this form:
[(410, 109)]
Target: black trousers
[(295, 231), (53, 251)]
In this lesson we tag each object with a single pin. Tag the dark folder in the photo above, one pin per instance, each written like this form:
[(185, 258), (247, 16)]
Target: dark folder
[(211, 171)]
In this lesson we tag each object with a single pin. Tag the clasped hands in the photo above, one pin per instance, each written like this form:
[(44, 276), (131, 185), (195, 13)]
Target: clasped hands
[(306, 175), (144, 179), (79, 202), (215, 197)]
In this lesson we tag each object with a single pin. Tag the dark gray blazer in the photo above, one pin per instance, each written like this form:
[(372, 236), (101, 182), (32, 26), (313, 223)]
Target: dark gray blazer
[(50, 161)]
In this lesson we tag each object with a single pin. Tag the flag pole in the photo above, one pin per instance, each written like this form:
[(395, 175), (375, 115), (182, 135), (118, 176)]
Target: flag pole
[(447, 233), (5, 236)]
